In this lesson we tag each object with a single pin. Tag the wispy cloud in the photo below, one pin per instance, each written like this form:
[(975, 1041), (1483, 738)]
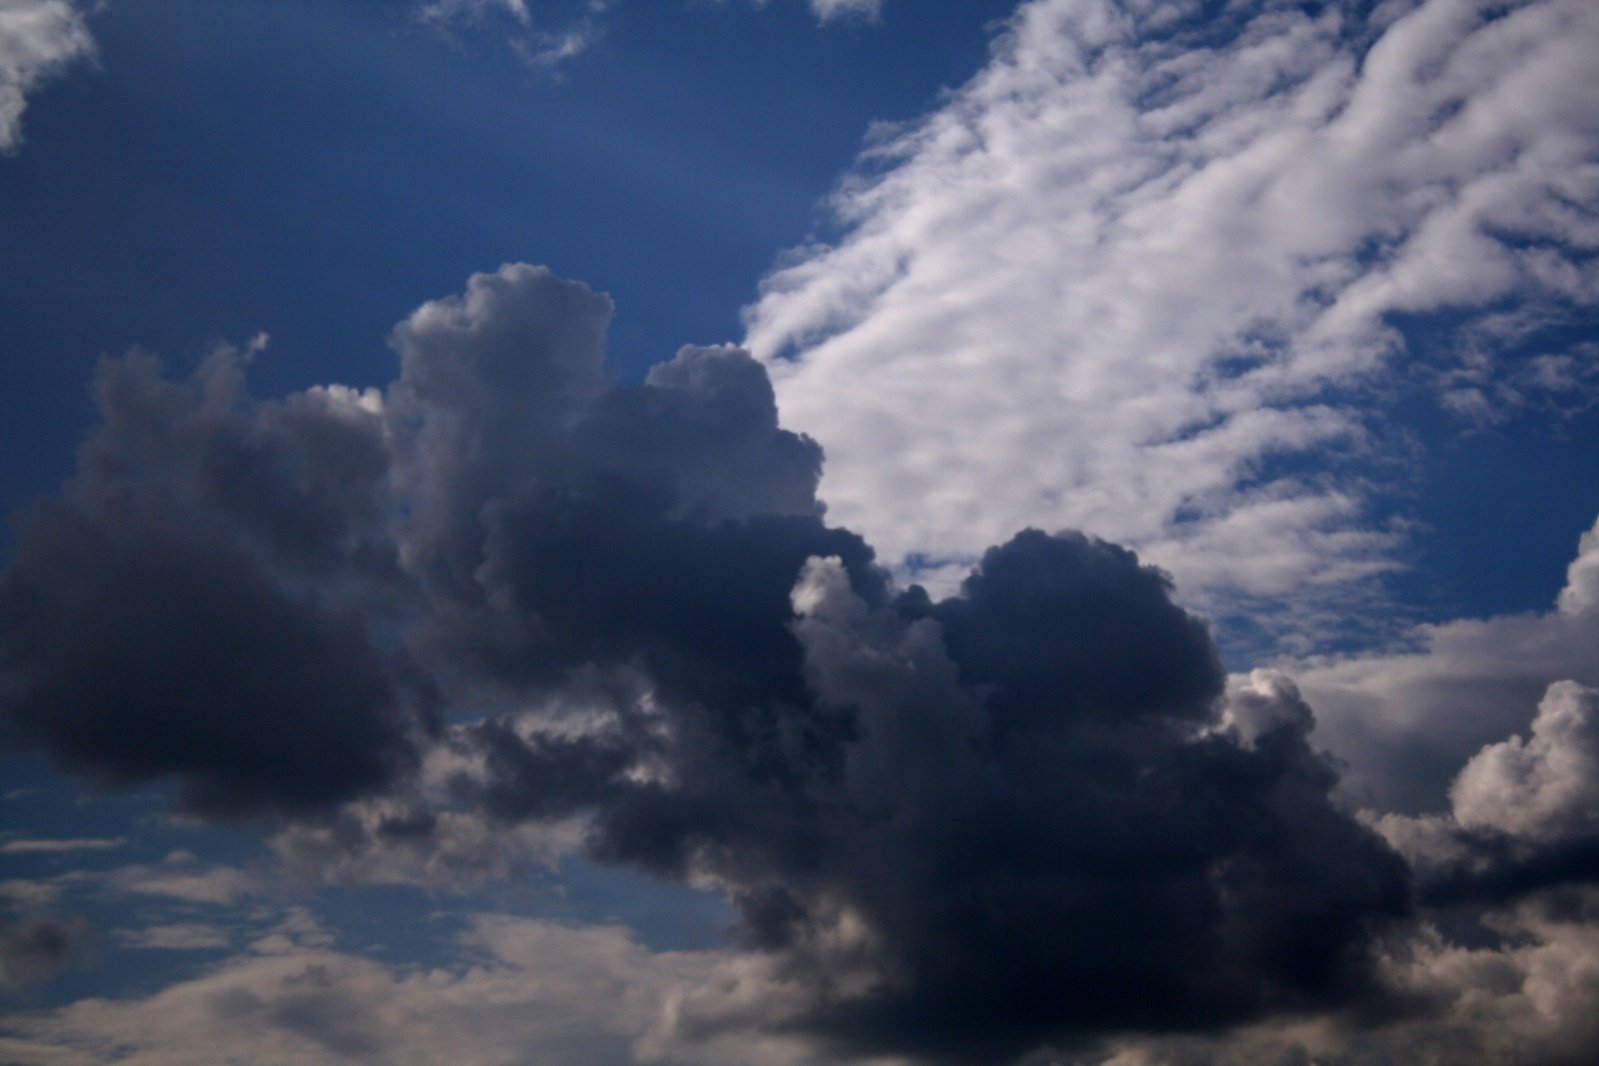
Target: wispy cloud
[(181, 876), (1147, 263), (54, 847), (180, 936), (548, 33)]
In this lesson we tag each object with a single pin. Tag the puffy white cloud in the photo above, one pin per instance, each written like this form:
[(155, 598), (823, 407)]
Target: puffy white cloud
[(1545, 786), (1144, 255), (38, 38)]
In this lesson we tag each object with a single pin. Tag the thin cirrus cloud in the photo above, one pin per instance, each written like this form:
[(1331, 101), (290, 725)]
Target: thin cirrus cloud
[(1145, 265), (38, 40), (547, 33)]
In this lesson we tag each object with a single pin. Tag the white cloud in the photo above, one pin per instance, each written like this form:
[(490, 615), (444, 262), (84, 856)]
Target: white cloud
[(1121, 270), (38, 39), (1545, 786), (1406, 721)]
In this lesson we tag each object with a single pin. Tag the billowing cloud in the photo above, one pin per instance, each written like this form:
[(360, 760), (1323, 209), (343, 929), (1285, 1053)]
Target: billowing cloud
[(509, 592), (196, 603), (1545, 786), (1154, 256), (38, 39)]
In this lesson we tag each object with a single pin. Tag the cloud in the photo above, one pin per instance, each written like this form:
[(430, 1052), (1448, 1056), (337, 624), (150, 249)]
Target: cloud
[(548, 33), (180, 876), (1405, 721), (38, 40), (197, 602), (182, 936), (1545, 787), (1530, 997), (545, 33), (36, 950), (53, 847), (524, 991), (1146, 263), (831, 10)]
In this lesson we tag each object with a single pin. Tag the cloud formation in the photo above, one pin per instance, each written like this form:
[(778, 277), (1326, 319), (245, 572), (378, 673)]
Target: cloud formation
[(38, 40), (509, 592), (1154, 256)]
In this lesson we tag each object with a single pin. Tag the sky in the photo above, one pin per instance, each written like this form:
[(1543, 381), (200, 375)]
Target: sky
[(799, 532)]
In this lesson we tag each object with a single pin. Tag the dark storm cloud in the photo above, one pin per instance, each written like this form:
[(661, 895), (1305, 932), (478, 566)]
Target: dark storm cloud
[(191, 605), (963, 828), (979, 860)]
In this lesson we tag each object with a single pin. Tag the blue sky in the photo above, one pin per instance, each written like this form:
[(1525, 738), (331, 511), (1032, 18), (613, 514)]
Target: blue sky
[(425, 657)]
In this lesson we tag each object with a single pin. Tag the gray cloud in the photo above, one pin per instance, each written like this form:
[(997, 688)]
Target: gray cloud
[(37, 949), (197, 603)]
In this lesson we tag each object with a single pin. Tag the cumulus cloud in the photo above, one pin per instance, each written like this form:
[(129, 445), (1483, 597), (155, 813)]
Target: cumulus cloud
[(38, 40), (198, 601), (1545, 786), (1150, 256)]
